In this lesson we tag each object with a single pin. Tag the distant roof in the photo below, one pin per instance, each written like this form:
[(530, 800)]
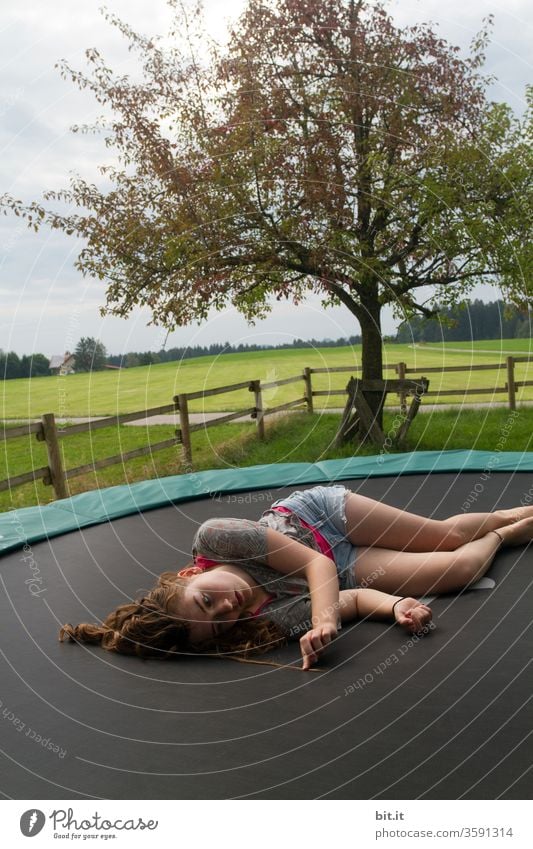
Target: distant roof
[(57, 360)]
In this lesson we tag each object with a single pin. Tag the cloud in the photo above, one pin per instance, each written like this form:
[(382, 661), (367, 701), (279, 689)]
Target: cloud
[(509, 51), (37, 308)]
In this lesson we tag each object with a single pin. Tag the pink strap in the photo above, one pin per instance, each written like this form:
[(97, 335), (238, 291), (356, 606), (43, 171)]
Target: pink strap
[(203, 563), (322, 543)]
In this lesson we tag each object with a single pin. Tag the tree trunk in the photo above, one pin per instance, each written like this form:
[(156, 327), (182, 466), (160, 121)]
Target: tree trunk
[(372, 354)]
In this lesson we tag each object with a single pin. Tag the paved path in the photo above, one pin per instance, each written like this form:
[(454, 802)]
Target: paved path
[(200, 418), (425, 347)]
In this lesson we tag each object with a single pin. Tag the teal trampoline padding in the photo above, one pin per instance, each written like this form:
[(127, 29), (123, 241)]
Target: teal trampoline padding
[(32, 524)]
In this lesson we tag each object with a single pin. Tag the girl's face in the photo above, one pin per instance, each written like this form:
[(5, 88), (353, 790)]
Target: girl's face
[(211, 602)]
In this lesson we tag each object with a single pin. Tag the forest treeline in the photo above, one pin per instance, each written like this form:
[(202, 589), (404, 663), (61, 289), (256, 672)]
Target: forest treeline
[(145, 358), (473, 322)]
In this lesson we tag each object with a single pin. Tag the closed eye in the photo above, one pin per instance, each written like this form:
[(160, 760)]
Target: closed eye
[(203, 597), (200, 606)]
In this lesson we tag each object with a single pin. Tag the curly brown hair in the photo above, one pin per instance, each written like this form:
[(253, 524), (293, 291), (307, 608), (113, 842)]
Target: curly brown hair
[(146, 629)]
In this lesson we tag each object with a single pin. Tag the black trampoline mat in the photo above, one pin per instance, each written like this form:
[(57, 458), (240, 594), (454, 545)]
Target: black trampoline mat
[(389, 716)]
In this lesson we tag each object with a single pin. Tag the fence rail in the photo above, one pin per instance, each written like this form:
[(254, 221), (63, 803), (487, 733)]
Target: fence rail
[(55, 475), (220, 420), (119, 458), (220, 390), (17, 480), (21, 430), (110, 421), (435, 369)]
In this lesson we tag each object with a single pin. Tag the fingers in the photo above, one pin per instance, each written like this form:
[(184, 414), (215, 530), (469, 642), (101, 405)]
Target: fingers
[(309, 654), (309, 660), (310, 648), (416, 619), (312, 643)]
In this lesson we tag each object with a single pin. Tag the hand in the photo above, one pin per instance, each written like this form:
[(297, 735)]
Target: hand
[(412, 615), (315, 641)]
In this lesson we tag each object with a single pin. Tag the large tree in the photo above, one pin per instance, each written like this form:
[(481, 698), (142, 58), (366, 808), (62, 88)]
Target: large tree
[(325, 150), (90, 355)]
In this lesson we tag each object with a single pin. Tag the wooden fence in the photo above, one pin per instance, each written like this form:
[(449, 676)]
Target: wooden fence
[(55, 475)]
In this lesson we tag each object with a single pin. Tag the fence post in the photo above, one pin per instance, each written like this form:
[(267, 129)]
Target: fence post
[(400, 370), (57, 473), (308, 389), (510, 383), (185, 434), (255, 387)]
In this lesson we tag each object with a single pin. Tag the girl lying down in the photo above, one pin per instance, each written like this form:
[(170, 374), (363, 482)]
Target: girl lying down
[(313, 561)]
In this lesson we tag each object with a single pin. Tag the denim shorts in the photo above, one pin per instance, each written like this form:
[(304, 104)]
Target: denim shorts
[(323, 508)]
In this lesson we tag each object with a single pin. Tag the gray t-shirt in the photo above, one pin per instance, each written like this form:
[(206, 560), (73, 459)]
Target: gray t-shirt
[(244, 543)]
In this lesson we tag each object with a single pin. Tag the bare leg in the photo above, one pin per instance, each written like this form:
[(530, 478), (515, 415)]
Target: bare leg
[(369, 522), (414, 573)]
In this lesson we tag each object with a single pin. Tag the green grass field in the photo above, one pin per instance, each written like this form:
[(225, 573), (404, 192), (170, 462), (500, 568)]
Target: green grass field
[(112, 392), (292, 439), (21, 454)]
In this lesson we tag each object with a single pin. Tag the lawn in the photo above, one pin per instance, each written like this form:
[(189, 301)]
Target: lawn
[(112, 392), (25, 452), (293, 438)]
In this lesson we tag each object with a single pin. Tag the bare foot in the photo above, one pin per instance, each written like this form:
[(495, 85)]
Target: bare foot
[(519, 533), (515, 514)]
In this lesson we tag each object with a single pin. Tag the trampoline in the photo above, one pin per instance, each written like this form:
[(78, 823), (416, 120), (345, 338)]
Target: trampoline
[(389, 716)]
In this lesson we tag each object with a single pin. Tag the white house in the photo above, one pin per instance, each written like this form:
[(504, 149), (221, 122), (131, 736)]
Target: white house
[(62, 363)]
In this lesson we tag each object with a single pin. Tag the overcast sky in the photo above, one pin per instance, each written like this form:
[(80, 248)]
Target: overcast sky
[(46, 304)]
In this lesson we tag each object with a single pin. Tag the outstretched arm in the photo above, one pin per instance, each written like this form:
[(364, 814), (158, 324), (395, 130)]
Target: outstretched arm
[(366, 603), (292, 558)]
